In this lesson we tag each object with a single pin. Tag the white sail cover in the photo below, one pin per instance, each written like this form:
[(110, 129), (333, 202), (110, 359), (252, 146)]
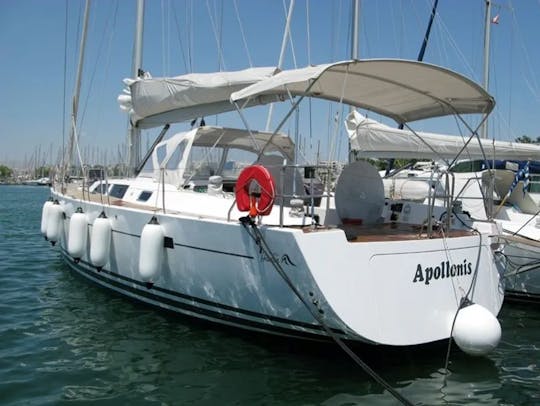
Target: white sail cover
[(157, 101), (401, 89), (371, 139)]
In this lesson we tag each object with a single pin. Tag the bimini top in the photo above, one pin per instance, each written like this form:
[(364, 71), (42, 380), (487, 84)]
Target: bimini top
[(255, 141), (400, 89), (157, 101)]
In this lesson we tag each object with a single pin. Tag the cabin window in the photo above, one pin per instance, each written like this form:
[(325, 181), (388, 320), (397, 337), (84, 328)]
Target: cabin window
[(144, 196), (237, 160), (118, 191), (161, 153), (101, 188), (469, 166), (176, 157), (203, 162)]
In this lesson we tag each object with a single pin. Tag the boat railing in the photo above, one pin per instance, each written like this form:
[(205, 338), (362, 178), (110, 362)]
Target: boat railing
[(447, 197), (293, 191), (488, 200)]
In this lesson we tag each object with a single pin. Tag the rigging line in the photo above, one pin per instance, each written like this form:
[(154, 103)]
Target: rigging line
[(455, 284), (105, 33), (527, 222), (330, 110), (529, 266), (76, 136), (425, 143), (78, 35), (465, 301), (261, 242), (179, 37), (188, 15), (337, 117), (308, 36), (163, 40), (216, 36), (531, 84), (291, 44), (534, 259), (286, 33), (453, 43), (65, 91), (107, 65), (428, 31), (203, 160), (220, 27), (235, 3)]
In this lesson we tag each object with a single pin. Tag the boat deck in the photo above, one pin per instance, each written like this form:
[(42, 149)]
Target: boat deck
[(353, 232), (75, 191), (396, 232)]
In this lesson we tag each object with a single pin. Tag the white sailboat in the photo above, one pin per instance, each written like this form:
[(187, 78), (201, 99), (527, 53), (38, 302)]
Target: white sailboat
[(217, 224), (515, 211)]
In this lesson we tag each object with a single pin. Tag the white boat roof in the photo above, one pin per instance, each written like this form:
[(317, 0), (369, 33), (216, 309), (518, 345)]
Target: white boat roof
[(157, 101), (210, 136), (401, 89)]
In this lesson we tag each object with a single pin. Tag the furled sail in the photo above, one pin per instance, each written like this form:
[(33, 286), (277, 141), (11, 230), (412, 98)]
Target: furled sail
[(157, 101), (369, 138)]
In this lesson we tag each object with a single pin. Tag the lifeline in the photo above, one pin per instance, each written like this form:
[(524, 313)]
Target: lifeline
[(445, 270)]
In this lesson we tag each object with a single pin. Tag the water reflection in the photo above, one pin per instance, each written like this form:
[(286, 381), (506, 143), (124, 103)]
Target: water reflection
[(65, 340), (103, 347)]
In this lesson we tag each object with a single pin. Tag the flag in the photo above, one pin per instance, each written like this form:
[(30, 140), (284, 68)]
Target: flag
[(526, 178), (521, 175), (495, 20)]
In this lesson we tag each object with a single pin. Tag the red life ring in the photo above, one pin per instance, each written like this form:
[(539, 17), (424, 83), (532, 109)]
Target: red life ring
[(255, 190)]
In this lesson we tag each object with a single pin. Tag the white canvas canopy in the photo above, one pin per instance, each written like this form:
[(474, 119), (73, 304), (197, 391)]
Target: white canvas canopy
[(376, 140), (403, 90), (157, 101)]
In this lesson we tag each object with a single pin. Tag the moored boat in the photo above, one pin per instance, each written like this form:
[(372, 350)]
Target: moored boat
[(218, 224)]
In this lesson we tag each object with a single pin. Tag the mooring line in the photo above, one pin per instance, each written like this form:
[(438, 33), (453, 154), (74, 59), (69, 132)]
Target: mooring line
[(261, 243)]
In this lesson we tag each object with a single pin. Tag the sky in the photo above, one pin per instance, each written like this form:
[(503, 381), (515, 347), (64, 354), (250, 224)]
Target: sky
[(39, 41)]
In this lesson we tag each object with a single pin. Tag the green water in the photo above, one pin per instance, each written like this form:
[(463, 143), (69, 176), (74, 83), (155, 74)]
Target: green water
[(65, 341)]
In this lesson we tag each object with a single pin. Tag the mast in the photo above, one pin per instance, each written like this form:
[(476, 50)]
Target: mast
[(77, 90), (354, 34), (354, 53), (487, 34), (134, 135)]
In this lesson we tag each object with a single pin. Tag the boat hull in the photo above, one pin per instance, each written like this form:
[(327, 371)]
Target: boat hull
[(391, 293)]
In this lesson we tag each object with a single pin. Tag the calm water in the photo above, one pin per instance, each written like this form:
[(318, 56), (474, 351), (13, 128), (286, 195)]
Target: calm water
[(65, 341)]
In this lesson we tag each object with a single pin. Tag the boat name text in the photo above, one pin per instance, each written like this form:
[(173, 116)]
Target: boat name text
[(445, 270)]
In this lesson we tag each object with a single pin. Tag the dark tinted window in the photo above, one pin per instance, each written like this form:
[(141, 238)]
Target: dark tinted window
[(101, 188), (118, 191), (144, 196)]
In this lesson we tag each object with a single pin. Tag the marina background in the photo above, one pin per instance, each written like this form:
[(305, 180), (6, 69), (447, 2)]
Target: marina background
[(204, 36), (65, 340)]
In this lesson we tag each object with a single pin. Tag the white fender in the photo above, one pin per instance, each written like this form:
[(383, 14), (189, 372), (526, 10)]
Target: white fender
[(151, 251), (55, 222), (78, 234), (100, 241), (45, 216), (476, 330)]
